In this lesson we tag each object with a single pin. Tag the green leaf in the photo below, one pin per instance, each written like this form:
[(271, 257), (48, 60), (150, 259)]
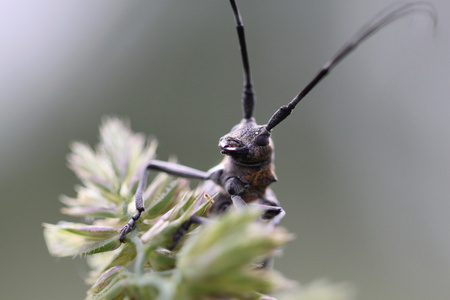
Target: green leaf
[(164, 202), (126, 255), (221, 257), (71, 239), (162, 259), (106, 282)]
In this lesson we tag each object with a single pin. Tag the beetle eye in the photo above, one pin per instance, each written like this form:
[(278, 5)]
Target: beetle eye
[(262, 140)]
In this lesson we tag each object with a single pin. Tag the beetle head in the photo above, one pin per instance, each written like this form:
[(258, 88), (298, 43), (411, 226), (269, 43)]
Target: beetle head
[(247, 143)]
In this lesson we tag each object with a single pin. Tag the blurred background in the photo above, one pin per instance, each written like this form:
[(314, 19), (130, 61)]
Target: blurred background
[(362, 163)]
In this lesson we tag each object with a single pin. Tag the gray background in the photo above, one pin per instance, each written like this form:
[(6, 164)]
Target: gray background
[(362, 163)]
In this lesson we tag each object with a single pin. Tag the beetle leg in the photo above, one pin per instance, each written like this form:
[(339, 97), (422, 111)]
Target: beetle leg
[(184, 228), (167, 167), (238, 202), (273, 213)]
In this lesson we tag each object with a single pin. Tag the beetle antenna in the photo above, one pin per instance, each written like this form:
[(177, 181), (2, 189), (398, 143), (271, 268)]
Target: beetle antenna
[(248, 96), (384, 18)]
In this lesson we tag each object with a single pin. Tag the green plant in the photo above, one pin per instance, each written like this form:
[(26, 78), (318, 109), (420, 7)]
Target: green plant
[(217, 260)]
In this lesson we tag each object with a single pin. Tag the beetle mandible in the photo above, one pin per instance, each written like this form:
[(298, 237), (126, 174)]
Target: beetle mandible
[(244, 175)]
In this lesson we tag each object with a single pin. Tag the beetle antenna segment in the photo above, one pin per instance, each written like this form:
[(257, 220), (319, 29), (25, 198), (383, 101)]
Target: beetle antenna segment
[(384, 18), (248, 96)]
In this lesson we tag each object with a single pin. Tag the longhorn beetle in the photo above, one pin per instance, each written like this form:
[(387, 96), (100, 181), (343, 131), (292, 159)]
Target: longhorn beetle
[(244, 175)]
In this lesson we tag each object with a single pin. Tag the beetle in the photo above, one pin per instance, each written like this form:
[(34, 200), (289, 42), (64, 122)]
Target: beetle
[(245, 173)]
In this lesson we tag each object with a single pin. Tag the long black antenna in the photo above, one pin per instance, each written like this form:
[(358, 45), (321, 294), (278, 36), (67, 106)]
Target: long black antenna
[(248, 96), (384, 18)]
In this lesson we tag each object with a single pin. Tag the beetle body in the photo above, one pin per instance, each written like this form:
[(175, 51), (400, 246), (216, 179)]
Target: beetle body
[(244, 175), (246, 170)]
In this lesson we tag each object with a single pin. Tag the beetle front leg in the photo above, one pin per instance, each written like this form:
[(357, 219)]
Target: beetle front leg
[(167, 167), (274, 213), (130, 225), (238, 202)]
